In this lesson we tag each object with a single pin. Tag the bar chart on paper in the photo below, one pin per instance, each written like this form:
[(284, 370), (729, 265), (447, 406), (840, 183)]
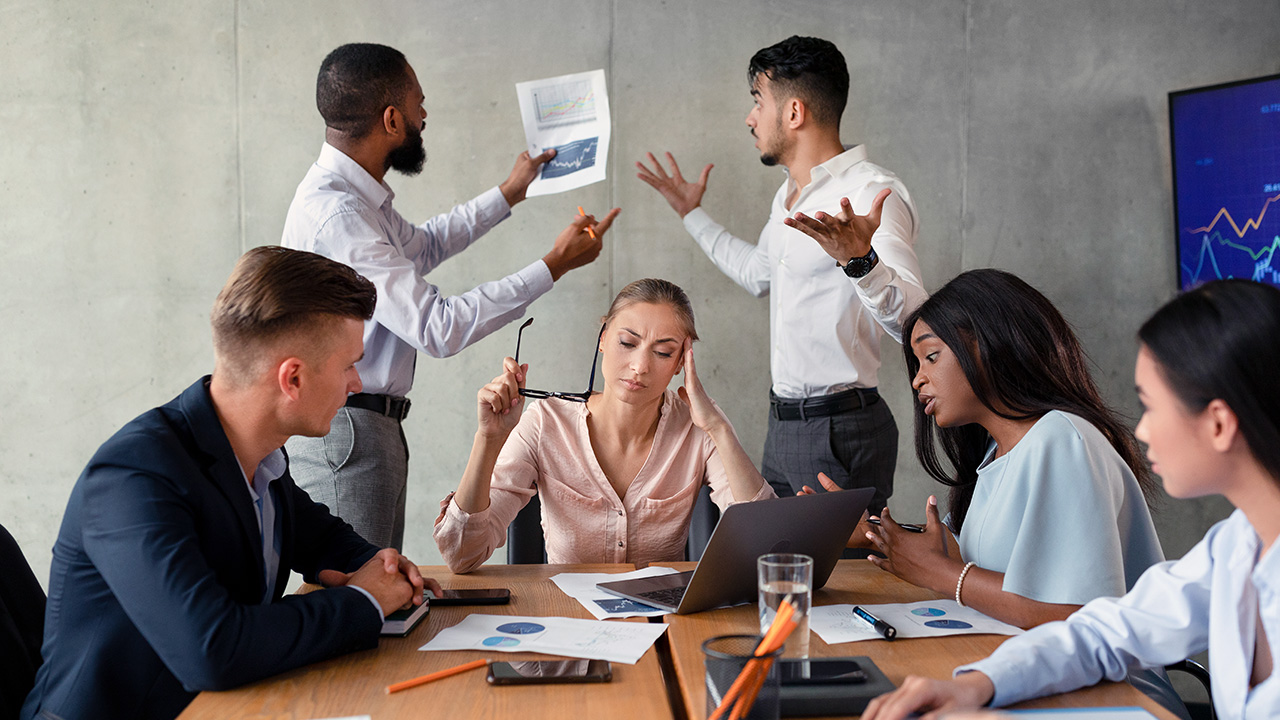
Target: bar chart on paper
[(1226, 150)]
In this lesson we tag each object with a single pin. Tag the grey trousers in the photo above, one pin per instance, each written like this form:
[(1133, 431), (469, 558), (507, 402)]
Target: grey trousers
[(858, 448), (360, 470)]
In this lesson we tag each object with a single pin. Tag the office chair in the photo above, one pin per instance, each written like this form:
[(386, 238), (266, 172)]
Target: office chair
[(525, 543), (1197, 710), (22, 603)]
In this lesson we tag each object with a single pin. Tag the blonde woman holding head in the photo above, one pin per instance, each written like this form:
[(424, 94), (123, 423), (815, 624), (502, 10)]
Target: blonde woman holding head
[(617, 471)]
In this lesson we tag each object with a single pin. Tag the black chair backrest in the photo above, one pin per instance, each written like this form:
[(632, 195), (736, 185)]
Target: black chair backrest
[(525, 543), (22, 603)]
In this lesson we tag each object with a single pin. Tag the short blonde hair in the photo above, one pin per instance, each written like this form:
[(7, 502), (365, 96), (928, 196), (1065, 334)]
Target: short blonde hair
[(655, 292)]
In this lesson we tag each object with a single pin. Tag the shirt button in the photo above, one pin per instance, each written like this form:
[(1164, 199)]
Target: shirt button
[(619, 543), (619, 512)]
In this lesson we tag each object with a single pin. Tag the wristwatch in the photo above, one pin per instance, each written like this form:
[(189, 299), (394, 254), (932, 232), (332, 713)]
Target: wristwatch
[(860, 266)]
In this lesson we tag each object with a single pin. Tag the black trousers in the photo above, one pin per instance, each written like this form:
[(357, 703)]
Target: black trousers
[(857, 448)]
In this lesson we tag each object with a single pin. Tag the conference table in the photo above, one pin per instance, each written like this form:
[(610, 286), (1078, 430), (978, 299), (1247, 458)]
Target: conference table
[(666, 683)]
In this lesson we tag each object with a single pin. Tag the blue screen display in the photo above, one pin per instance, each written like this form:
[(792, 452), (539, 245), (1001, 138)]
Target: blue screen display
[(1226, 177)]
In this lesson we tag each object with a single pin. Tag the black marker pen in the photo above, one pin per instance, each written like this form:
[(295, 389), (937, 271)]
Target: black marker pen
[(882, 627)]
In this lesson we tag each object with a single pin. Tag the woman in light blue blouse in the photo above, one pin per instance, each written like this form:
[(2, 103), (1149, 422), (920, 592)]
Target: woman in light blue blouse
[(1048, 487), (1206, 376)]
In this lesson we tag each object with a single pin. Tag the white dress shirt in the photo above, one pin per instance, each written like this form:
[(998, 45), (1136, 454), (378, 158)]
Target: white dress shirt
[(823, 325), (1211, 598), (341, 212)]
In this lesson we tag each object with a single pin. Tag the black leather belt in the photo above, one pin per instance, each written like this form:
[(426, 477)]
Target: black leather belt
[(823, 405), (393, 407)]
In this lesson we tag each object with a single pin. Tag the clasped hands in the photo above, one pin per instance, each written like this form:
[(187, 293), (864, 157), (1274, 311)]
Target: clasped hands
[(392, 579)]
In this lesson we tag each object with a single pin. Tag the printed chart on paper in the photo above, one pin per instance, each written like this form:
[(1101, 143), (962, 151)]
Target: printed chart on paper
[(571, 114)]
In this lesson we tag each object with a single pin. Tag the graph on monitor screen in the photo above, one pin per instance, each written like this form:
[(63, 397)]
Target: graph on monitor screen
[(564, 103), (1226, 158)]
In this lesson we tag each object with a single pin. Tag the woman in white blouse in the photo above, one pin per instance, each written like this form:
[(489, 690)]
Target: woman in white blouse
[(617, 471), (1207, 378)]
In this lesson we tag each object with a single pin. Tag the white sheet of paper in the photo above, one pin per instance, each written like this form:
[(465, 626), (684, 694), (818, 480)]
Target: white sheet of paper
[(1096, 713), (571, 114), (621, 642), (582, 587), (929, 618)]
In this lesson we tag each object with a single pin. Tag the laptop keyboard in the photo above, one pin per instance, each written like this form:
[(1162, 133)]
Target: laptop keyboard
[(666, 596)]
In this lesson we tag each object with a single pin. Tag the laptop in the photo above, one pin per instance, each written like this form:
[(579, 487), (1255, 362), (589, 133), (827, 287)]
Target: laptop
[(815, 525)]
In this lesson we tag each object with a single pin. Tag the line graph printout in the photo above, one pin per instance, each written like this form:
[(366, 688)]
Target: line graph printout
[(564, 103), (1226, 164), (571, 114)]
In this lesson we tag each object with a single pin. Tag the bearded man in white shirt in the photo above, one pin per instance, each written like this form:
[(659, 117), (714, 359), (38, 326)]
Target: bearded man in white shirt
[(837, 261), (372, 105)]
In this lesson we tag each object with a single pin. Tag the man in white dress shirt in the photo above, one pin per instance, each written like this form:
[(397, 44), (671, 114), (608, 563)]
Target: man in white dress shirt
[(372, 105), (837, 260)]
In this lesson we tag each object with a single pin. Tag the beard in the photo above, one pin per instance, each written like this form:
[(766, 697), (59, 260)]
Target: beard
[(409, 158), (773, 153)]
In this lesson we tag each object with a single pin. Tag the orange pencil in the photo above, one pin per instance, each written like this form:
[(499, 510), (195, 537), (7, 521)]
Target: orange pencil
[(436, 676), (590, 232)]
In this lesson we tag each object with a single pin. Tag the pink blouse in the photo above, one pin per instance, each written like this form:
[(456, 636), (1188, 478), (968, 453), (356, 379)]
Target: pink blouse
[(583, 519)]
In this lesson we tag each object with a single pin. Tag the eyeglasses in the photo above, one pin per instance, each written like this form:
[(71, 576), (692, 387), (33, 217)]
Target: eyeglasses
[(580, 397)]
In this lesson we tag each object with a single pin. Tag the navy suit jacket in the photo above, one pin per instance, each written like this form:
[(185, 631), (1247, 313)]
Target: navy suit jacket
[(156, 587)]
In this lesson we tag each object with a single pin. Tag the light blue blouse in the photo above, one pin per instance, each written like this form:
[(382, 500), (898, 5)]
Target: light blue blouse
[(1213, 597), (1061, 515)]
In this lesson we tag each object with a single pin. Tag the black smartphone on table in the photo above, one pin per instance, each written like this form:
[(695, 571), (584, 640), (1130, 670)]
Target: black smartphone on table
[(909, 527), (473, 596), (537, 672), (821, 671)]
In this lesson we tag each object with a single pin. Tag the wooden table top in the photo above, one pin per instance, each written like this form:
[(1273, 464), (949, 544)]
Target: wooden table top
[(861, 583), (355, 684)]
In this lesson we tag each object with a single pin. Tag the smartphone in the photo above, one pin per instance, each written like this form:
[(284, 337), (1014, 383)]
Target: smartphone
[(909, 527), (821, 671), (474, 596), (535, 672)]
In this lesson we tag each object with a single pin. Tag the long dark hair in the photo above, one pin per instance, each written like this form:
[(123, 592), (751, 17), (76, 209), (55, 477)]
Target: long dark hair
[(1221, 341), (1022, 360)]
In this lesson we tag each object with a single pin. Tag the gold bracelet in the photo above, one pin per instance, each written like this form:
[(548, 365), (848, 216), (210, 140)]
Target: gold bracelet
[(960, 582)]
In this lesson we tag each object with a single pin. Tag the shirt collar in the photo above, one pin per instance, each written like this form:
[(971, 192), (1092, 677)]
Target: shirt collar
[(371, 191), (268, 471), (840, 164), (833, 168)]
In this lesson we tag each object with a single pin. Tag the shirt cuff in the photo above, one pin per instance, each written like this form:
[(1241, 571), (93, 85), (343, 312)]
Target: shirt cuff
[(697, 222), (993, 672), (875, 281), (536, 278), (376, 605), (456, 515), (494, 206)]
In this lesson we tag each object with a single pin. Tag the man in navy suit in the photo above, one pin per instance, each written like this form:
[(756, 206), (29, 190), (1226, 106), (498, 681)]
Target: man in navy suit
[(170, 566)]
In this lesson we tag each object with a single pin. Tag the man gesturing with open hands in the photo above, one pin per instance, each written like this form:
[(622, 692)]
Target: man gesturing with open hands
[(837, 261)]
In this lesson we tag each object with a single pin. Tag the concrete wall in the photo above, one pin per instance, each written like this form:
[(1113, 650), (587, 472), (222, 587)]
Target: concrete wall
[(146, 145)]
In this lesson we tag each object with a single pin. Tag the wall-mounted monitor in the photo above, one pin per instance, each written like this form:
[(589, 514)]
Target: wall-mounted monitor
[(1226, 181)]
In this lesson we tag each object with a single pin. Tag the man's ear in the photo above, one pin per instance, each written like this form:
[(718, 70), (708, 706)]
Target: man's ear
[(795, 112), (392, 120), (1223, 425), (289, 377)]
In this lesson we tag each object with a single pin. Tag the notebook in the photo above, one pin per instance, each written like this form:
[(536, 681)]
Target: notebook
[(400, 622), (815, 525)]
